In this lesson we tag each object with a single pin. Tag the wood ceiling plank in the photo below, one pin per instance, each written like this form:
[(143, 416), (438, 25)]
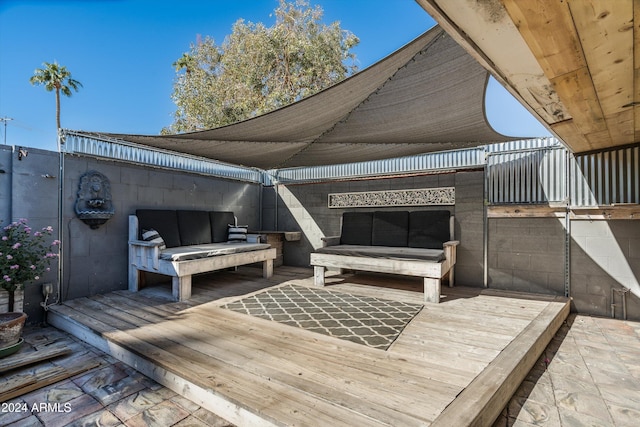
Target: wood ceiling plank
[(621, 127), (636, 68), (571, 136), (548, 30), (576, 89), (606, 34)]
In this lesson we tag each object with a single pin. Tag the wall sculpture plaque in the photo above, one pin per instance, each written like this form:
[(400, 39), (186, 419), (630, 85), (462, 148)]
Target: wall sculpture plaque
[(93, 204), (389, 198)]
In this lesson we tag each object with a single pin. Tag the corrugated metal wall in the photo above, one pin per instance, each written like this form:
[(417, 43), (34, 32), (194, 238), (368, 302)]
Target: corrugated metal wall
[(76, 143), (527, 176), (553, 175), (532, 171), (606, 178)]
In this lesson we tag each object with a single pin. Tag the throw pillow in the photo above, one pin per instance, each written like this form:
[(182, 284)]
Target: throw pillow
[(154, 237), (238, 233)]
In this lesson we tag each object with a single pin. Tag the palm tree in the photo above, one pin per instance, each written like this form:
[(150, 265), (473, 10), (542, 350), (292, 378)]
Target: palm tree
[(58, 78)]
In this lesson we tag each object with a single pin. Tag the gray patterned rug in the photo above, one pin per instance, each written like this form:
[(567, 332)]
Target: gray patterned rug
[(364, 320)]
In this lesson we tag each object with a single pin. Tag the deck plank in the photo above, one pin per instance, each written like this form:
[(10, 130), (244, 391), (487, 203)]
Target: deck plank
[(285, 375)]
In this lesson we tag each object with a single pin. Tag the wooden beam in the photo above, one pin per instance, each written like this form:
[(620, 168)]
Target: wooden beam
[(627, 211), (22, 384), (24, 359), (525, 211)]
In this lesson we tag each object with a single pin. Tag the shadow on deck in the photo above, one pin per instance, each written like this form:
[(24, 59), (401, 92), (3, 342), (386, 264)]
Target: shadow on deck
[(456, 363)]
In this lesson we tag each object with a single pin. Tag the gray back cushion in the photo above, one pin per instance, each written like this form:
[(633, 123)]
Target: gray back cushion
[(390, 228), (356, 228), (165, 222), (429, 229), (220, 225), (194, 227)]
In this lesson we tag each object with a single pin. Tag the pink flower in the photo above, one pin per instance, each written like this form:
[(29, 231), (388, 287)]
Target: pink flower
[(33, 267), (16, 246), (9, 257), (37, 234), (5, 238), (6, 278), (55, 242), (14, 267), (36, 278)]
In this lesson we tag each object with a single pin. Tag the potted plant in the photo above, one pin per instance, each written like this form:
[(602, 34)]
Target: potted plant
[(25, 255)]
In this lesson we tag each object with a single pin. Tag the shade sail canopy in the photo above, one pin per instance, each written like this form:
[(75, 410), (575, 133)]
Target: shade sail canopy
[(427, 96)]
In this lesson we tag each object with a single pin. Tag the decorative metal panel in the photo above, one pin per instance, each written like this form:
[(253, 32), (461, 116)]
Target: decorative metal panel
[(388, 198)]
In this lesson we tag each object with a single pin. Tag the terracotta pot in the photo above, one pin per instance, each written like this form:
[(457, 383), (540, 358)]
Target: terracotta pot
[(11, 325)]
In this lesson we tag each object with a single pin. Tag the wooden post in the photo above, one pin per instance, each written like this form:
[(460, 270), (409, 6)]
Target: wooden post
[(318, 274), (267, 268), (431, 290), (181, 287)]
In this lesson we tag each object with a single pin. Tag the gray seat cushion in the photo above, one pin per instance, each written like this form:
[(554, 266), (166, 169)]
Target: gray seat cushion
[(220, 225), (194, 227), (165, 222), (429, 229), (186, 253), (390, 228), (356, 228), (419, 254)]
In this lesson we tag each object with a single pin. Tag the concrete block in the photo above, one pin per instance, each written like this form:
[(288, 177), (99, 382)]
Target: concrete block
[(548, 263), (514, 261), (634, 249), (500, 278)]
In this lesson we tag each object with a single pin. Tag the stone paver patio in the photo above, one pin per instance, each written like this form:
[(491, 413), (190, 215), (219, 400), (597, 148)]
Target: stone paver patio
[(588, 376)]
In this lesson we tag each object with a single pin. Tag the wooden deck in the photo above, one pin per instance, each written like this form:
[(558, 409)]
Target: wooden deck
[(456, 363)]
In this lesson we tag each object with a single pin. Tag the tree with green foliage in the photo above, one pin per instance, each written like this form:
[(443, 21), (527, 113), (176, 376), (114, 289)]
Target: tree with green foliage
[(55, 77), (258, 69)]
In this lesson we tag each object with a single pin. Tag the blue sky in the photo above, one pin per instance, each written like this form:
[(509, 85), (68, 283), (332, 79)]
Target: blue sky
[(122, 51)]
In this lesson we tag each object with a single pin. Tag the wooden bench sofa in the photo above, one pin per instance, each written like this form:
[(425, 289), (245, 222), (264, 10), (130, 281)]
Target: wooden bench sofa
[(196, 242), (416, 243)]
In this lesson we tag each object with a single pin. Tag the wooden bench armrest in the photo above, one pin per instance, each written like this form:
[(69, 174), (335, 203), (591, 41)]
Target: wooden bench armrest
[(142, 243), (451, 243), (330, 241), (144, 252)]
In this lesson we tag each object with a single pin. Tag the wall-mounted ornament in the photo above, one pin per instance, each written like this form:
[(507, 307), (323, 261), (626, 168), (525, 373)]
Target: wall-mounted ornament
[(93, 205)]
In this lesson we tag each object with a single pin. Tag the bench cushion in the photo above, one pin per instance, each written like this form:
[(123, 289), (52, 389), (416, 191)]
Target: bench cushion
[(192, 252), (433, 255), (165, 222), (356, 228), (429, 229), (194, 227), (220, 225), (390, 228)]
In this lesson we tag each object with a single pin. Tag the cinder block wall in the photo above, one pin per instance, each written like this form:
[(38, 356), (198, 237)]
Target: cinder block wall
[(605, 255), (29, 189), (527, 255)]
